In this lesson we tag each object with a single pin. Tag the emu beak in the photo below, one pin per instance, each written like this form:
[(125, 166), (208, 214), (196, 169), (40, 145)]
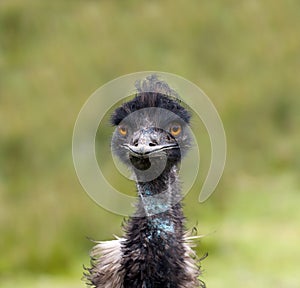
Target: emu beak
[(143, 150), (149, 141)]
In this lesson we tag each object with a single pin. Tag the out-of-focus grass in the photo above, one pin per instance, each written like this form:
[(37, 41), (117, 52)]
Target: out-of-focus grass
[(243, 54), (42, 282), (259, 246)]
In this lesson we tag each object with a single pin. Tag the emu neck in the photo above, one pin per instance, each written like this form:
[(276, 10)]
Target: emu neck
[(159, 212), (160, 194), (153, 250)]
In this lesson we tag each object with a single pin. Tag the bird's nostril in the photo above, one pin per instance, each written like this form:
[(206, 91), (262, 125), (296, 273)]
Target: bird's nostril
[(153, 143)]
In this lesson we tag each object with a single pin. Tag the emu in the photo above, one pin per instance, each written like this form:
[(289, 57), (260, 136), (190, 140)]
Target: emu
[(151, 137)]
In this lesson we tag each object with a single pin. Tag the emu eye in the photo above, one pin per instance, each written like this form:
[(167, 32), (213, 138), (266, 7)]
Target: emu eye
[(123, 130), (175, 129)]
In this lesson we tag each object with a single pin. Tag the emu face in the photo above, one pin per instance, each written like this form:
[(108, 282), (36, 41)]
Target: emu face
[(151, 138)]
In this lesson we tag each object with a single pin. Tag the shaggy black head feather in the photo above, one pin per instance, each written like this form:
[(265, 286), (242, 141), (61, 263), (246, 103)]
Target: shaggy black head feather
[(152, 93)]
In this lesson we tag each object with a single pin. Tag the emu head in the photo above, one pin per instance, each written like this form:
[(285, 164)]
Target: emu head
[(152, 131)]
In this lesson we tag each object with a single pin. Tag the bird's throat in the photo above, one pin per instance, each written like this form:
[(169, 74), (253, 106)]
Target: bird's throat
[(159, 207), (159, 195)]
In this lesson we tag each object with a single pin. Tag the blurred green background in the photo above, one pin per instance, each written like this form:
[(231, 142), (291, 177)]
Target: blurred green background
[(244, 54)]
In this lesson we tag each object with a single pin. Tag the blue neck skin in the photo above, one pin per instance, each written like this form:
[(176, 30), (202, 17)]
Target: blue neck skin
[(156, 199)]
